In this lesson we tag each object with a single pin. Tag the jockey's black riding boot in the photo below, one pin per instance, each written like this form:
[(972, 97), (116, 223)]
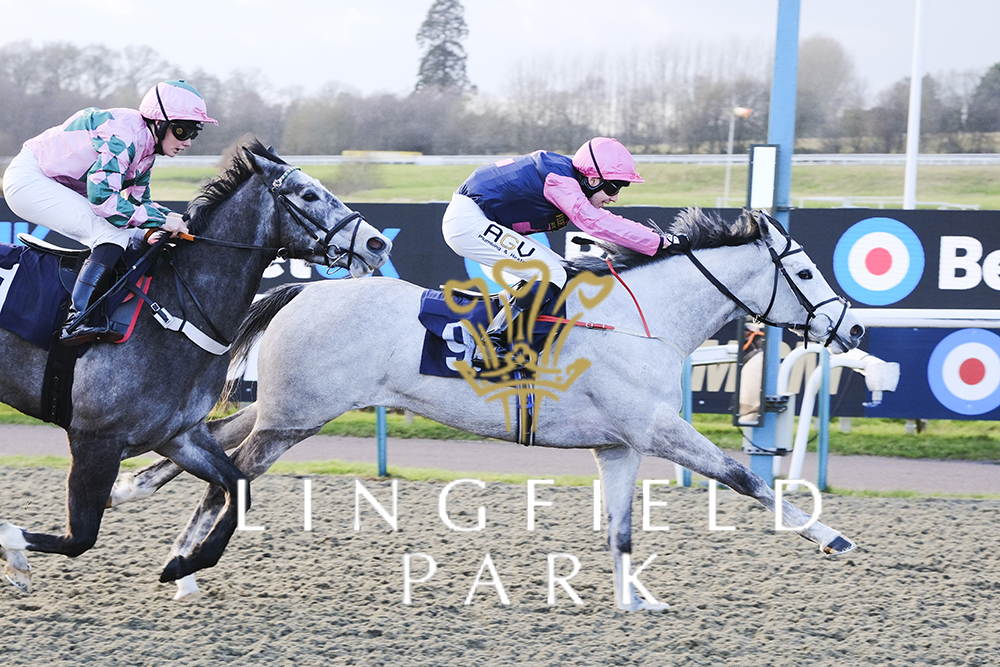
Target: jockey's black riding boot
[(97, 268), (497, 331)]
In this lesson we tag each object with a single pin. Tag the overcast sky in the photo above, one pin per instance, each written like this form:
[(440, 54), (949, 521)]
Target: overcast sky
[(370, 45)]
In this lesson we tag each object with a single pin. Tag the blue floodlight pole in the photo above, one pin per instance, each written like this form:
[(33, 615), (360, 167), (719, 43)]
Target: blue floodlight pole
[(780, 132)]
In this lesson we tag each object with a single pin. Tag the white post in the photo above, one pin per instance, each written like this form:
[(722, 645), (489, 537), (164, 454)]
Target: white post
[(913, 122), (742, 112)]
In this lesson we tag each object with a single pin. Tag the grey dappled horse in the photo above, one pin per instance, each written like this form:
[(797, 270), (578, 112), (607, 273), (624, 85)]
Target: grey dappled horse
[(154, 392), (321, 355)]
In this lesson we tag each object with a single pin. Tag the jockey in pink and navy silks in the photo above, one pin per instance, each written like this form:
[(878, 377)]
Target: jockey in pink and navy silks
[(88, 179), (494, 212)]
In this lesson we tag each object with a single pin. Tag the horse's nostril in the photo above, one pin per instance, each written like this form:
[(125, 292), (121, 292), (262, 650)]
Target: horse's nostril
[(857, 331), (375, 245)]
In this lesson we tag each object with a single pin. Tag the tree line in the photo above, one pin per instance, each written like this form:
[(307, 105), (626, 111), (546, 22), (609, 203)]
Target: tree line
[(668, 99)]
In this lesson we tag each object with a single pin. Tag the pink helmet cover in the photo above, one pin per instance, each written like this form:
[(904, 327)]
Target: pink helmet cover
[(614, 162), (179, 99)]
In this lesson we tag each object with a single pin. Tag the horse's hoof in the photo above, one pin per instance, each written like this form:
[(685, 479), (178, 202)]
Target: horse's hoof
[(838, 545), (642, 605), (187, 589), (189, 597), (174, 570), (123, 491), (17, 570)]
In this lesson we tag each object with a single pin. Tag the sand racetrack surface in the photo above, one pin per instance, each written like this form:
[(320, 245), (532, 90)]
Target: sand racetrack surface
[(922, 588)]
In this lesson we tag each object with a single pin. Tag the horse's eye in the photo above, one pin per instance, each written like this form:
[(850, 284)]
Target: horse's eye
[(310, 196), (805, 274)]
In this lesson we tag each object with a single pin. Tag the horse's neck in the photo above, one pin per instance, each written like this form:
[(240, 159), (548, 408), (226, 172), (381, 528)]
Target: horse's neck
[(678, 302), (225, 280)]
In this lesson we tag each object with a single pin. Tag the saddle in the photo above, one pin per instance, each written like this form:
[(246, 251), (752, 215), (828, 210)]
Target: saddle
[(36, 280), (447, 340), (121, 305), (455, 327)]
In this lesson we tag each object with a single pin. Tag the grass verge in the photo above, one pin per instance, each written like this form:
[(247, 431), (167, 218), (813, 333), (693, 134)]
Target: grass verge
[(940, 439)]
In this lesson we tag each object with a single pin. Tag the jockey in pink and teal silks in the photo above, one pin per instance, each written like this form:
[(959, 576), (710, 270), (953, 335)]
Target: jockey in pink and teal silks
[(88, 179), (541, 192)]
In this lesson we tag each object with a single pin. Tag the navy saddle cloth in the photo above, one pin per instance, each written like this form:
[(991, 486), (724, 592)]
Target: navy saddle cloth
[(35, 288), (447, 340)]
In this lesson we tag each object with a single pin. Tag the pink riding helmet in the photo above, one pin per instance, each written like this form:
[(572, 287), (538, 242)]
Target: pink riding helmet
[(178, 99), (614, 162)]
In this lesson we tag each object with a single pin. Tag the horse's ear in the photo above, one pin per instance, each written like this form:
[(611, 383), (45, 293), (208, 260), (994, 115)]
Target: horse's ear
[(252, 159), (763, 221)]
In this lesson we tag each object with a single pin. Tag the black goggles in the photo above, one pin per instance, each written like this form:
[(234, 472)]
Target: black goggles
[(183, 131), (611, 188)]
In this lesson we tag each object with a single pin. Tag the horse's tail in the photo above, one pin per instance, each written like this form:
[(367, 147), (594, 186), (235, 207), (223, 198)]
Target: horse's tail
[(258, 317)]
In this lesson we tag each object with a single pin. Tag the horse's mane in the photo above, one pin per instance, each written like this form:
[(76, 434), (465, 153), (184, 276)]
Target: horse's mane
[(221, 187), (704, 230)]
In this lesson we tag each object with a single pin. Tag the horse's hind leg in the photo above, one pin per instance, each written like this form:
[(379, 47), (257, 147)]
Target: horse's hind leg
[(619, 467), (678, 441), (143, 483)]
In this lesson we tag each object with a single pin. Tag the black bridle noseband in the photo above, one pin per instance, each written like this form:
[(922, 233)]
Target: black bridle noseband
[(684, 245), (323, 246)]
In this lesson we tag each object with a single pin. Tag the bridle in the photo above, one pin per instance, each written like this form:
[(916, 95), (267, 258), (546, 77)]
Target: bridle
[(682, 243), (324, 247)]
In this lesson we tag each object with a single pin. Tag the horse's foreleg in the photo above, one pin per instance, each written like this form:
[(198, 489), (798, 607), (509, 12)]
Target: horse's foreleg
[(619, 467), (91, 474), (678, 441), (199, 454), (253, 458), (228, 432)]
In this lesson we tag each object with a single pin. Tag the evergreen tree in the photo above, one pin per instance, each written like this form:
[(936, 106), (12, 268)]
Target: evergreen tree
[(984, 107), (443, 66)]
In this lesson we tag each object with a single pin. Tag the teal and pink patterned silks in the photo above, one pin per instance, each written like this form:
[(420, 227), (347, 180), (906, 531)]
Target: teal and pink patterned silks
[(107, 156)]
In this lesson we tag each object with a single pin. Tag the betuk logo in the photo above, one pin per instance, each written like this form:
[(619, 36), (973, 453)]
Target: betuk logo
[(531, 370)]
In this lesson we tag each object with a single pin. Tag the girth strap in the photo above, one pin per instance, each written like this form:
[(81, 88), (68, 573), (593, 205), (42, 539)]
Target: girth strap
[(184, 326)]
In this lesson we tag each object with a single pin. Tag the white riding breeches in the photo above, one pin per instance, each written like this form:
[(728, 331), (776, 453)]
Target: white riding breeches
[(37, 198), (471, 234)]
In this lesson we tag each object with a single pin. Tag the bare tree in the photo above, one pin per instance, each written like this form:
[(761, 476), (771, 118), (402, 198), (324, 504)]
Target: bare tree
[(827, 86)]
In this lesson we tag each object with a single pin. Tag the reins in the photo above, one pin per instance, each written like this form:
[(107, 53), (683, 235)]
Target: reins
[(323, 246), (683, 244), (183, 325)]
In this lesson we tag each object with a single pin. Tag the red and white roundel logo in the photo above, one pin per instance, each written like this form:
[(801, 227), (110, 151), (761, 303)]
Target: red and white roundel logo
[(878, 261), (964, 371)]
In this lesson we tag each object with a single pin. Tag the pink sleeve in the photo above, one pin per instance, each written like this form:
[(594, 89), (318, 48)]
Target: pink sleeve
[(565, 193)]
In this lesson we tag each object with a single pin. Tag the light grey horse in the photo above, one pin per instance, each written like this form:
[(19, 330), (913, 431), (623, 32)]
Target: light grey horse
[(154, 392), (321, 355)]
